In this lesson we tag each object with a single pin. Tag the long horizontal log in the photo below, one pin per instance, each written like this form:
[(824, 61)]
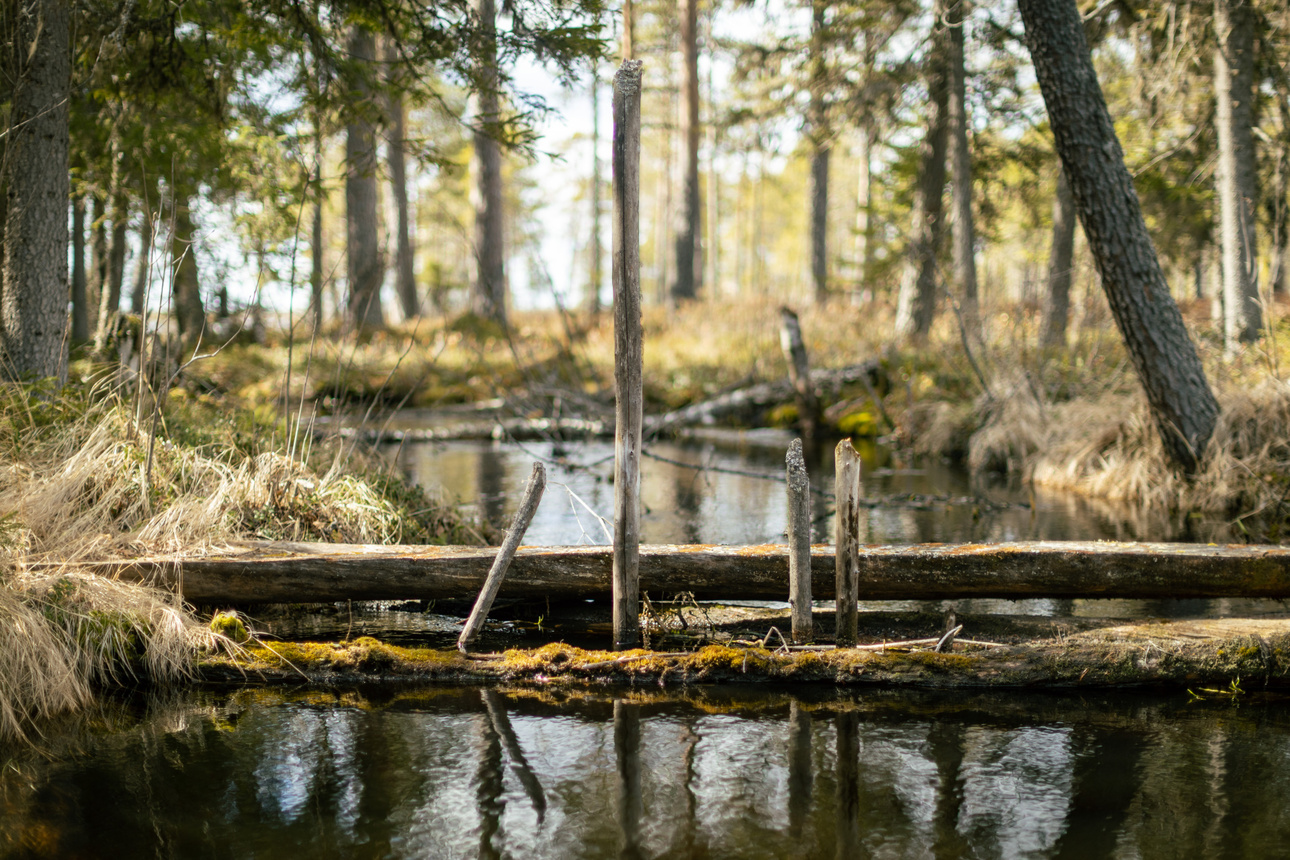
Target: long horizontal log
[(319, 573)]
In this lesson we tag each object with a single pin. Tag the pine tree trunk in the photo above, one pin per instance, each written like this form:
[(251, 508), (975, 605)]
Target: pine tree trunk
[(110, 297), (1057, 302), (98, 275), (35, 291), (689, 268), (595, 275), (1279, 213), (916, 304), (316, 260), (490, 276), (1237, 171), (405, 282), (80, 316), (964, 233), (363, 267), (1179, 396), (190, 313), (142, 271), (819, 138)]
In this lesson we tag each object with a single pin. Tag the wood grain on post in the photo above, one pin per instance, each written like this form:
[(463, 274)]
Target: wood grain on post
[(799, 372), (799, 544), (524, 516), (847, 539), (629, 397)]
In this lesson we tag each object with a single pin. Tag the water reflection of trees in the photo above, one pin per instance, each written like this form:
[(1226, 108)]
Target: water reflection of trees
[(487, 774)]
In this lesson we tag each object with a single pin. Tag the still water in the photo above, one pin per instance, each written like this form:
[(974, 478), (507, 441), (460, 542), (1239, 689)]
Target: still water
[(712, 772)]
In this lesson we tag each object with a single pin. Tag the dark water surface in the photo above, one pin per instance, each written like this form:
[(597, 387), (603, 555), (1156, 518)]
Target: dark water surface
[(712, 772)]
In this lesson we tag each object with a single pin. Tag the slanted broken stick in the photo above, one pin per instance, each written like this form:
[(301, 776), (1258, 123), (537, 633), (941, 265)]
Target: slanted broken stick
[(799, 544), (524, 516)]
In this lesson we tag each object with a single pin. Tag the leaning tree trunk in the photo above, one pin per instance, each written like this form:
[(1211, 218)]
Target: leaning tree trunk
[(35, 291), (916, 304), (1237, 172), (689, 271), (405, 283), (1057, 301), (490, 274), (964, 235), (362, 243), (1179, 396), (819, 139)]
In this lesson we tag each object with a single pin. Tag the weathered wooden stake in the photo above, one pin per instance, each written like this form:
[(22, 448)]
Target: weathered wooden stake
[(799, 544), (847, 539), (629, 398), (524, 516), (799, 372)]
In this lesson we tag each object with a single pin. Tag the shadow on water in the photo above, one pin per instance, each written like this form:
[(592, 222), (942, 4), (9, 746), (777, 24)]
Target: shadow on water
[(710, 772)]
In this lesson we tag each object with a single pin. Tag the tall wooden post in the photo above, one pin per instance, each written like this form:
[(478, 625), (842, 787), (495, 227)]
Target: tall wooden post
[(629, 399), (847, 541), (799, 544)]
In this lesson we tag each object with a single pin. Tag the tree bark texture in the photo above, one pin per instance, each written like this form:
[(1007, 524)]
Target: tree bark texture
[(35, 290), (190, 313), (1278, 211), (1057, 299), (964, 233), (363, 267), (916, 303), (405, 282), (689, 262), (820, 146), (80, 315), (143, 265), (490, 273), (1237, 172), (271, 572), (1179, 396)]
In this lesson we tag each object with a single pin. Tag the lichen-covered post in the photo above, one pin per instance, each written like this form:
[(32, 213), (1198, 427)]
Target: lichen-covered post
[(799, 544), (847, 541), (493, 582), (629, 398)]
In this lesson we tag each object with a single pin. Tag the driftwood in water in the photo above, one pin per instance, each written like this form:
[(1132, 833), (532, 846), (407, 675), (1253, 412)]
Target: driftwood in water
[(308, 573)]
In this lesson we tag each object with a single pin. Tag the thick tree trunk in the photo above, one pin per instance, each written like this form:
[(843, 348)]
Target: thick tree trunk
[(405, 283), (35, 292), (190, 313), (820, 144), (490, 276), (143, 267), (80, 315), (916, 304), (1057, 301), (1180, 399), (1237, 172), (964, 233), (689, 268), (362, 246)]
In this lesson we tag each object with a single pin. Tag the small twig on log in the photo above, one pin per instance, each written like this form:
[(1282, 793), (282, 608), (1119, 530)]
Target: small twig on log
[(947, 640), (783, 644), (524, 516)]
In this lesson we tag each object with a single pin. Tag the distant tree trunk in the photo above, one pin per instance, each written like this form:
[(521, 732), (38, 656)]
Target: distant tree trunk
[(142, 271), (490, 277), (110, 297), (363, 267), (190, 313), (820, 147), (1237, 172), (964, 234), (689, 269), (405, 283), (629, 31), (916, 304), (1057, 302), (1278, 212), (712, 244), (35, 289), (1179, 396), (80, 316), (316, 260), (864, 205), (98, 274), (595, 276)]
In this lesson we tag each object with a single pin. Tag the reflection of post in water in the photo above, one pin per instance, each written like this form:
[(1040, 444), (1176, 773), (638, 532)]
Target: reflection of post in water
[(688, 839), (800, 774), (501, 724), (847, 815), (688, 501), (1103, 785), (489, 788), (945, 747), (491, 485), (627, 751)]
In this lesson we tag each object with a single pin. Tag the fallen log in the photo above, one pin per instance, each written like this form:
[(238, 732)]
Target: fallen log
[(266, 572)]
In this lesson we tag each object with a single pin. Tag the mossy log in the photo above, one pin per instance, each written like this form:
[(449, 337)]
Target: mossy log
[(318, 573), (1223, 657)]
